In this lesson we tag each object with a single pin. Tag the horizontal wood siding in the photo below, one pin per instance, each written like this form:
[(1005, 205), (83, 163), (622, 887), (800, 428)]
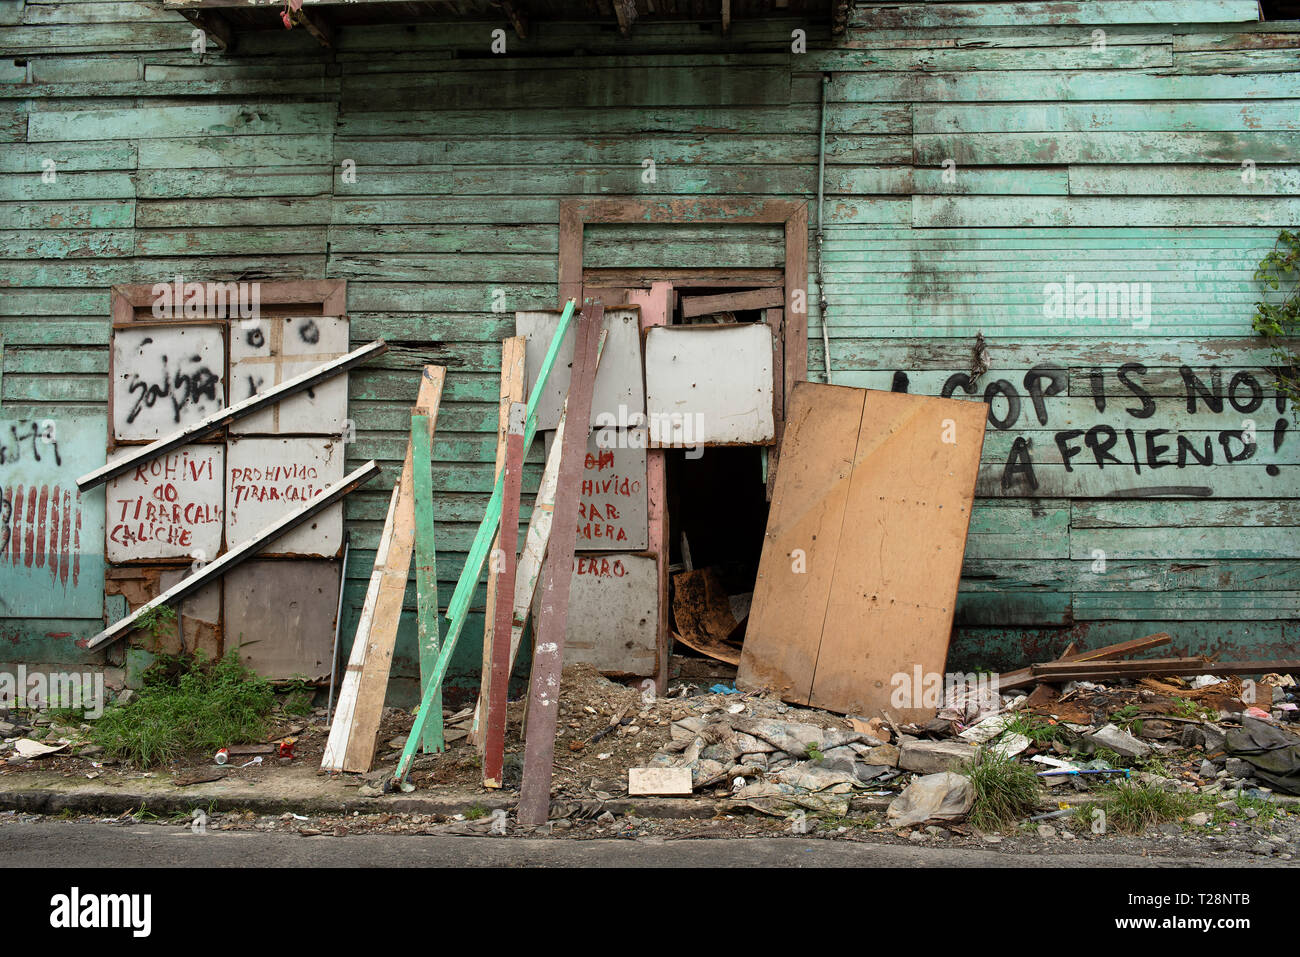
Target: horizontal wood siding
[(428, 173)]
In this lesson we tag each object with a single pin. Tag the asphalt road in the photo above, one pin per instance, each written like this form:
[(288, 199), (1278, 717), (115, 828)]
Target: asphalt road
[(87, 845)]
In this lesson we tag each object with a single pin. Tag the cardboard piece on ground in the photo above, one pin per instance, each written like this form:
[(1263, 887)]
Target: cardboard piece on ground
[(859, 573), (703, 614), (659, 782)]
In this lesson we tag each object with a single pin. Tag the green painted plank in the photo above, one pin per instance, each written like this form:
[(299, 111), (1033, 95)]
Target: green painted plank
[(1147, 606), (182, 121), (51, 185), (522, 90), (485, 210), (299, 149), (1084, 13), (1238, 116), (1253, 542), (399, 326), (541, 239), (1183, 180), (298, 211), (1049, 85), (24, 332), (1126, 575), (1035, 149), (1235, 61), (426, 578), (1010, 609), (417, 297), (437, 267), (109, 68), (271, 240), (999, 59), (237, 181), (1240, 481), (65, 243), (68, 157), (487, 179), (117, 11), (1109, 351), (936, 211), (1199, 514), (27, 40)]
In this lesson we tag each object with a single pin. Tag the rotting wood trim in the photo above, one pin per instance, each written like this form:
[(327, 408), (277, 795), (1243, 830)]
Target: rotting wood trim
[(318, 27), (625, 11), (230, 414), (213, 24), (307, 297), (732, 302), (792, 214), (235, 556)]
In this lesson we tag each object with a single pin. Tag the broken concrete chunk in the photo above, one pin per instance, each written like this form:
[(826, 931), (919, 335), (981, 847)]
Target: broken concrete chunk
[(1121, 742), (886, 754), (659, 782), (935, 797), (986, 730), (928, 757), (1010, 745)]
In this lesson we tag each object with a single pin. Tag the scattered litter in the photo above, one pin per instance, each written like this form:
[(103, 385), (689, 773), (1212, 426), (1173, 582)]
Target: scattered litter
[(934, 797)]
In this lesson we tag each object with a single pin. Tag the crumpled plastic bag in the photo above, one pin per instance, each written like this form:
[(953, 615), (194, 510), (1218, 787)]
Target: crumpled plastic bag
[(1271, 751), (934, 797)]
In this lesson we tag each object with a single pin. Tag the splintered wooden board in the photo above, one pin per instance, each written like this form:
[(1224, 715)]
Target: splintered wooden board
[(879, 503)]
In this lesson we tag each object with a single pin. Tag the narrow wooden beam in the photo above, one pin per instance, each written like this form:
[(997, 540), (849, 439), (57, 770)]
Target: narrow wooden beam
[(351, 743), (223, 417), (732, 302), (726, 17), (426, 569), (214, 25), (512, 392), (1025, 676), (503, 610), (318, 27), (232, 558), (548, 661)]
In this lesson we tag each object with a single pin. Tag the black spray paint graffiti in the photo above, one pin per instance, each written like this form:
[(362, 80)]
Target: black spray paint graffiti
[(1153, 449), (181, 388)]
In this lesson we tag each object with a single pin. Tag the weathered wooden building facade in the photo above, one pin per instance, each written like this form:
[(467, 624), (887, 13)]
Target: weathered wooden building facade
[(1085, 188)]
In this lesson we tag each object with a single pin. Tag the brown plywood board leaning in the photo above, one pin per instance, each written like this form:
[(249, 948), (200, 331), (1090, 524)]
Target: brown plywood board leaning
[(859, 573)]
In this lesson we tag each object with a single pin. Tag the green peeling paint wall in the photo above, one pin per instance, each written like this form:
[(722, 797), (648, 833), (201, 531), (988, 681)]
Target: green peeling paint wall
[(976, 154)]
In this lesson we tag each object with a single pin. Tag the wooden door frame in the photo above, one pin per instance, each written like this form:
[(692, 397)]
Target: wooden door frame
[(575, 214)]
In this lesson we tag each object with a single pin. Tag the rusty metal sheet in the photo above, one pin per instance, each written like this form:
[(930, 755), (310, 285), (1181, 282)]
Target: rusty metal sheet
[(265, 352), (619, 398), (613, 613), (166, 377), (612, 506), (168, 507), (51, 537), (267, 478), (280, 616), (710, 385)]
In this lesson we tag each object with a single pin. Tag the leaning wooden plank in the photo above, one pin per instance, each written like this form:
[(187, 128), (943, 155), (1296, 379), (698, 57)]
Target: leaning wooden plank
[(1023, 676), (503, 610), (539, 750), (512, 392), (351, 744), (232, 558), (732, 302), (488, 528), (458, 609), (426, 569), (223, 417)]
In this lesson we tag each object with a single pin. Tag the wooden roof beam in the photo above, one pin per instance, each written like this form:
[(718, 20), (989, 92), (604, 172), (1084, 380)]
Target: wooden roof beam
[(516, 12), (839, 16), (214, 25), (318, 27), (625, 10)]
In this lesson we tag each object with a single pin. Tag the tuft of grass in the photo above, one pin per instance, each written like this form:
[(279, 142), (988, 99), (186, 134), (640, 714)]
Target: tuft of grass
[(299, 695), (187, 704), (1132, 807), (1005, 790), (1035, 729), (475, 811)]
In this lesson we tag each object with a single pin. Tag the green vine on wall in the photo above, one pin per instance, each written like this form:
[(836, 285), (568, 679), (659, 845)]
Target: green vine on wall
[(1279, 321)]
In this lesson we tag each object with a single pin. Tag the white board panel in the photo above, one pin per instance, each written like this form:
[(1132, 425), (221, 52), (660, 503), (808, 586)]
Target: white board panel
[(613, 613), (168, 507), (166, 377), (265, 352), (710, 385), (269, 477), (619, 383), (612, 499)]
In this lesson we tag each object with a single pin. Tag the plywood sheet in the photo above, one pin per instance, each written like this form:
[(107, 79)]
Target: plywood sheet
[(280, 616), (267, 478), (613, 613), (893, 559), (620, 390), (266, 352), (51, 537), (793, 586), (168, 508), (612, 506), (165, 378), (710, 385)]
